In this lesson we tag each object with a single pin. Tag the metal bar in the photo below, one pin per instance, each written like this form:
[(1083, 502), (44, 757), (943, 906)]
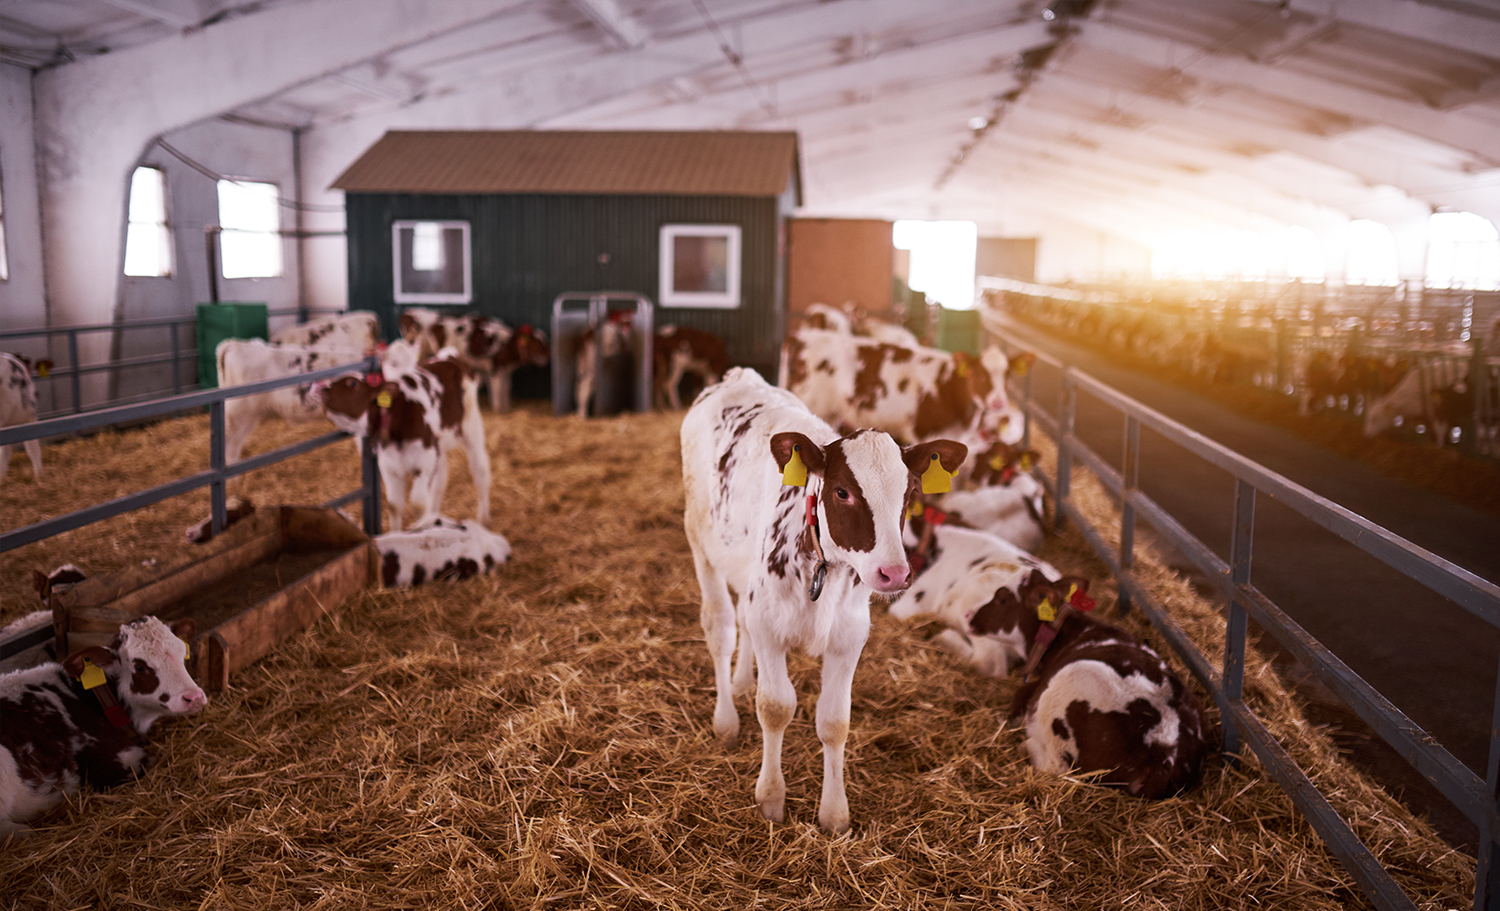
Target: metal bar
[(370, 476), (218, 514), (159, 407), (1067, 409), (26, 640), (176, 362), (1487, 875), (73, 363), (1241, 539), (1129, 480)]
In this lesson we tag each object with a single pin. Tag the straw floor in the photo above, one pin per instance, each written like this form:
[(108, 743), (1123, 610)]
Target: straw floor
[(541, 738)]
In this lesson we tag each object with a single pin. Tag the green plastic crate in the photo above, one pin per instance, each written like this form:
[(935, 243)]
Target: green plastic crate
[(217, 322)]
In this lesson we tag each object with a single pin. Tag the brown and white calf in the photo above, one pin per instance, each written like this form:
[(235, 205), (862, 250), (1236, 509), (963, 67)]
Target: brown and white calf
[(802, 561), (81, 721), (1008, 501), (358, 330), (244, 361), (441, 550), (910, 393), (1438, 395), (487, 346), (415, 415), (679, 350), (959, 572), (618, 337), (1096, 699), (18, 406)]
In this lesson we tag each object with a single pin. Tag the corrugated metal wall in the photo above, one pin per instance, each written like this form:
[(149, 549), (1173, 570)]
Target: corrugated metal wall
[(527, 249)]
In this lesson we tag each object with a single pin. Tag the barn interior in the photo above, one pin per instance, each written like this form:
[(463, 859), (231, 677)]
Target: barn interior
[(1294, 178)]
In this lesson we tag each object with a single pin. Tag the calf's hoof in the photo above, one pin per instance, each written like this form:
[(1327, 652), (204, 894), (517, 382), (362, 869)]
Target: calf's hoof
[(775, 812)]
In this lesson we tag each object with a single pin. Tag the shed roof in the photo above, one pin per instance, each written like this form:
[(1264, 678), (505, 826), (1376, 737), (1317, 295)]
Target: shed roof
[(697, 163)]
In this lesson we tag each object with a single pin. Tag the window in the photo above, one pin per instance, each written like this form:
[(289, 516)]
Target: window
[(250, 235), (431, 262), (148, 242), (700, 266), (4, 263), (1463, 251), (1372, 254)]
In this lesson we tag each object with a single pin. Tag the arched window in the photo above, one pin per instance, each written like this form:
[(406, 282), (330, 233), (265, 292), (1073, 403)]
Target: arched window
[(1372, 254), (1463, 251)]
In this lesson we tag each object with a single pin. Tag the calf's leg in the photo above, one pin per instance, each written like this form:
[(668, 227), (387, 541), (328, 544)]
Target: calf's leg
[(833, 731), (775, 702), (719, 631)]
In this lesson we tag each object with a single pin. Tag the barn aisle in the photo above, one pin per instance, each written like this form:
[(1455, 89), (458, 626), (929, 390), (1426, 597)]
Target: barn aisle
[(542, 737)]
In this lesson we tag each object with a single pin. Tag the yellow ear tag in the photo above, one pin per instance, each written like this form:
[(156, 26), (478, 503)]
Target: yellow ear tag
[(795, 473), (996, 463), (383, 400), (188, 650), (916, 509), (963, 369), (936, 478), (1019, 368), (43, 371), (91, 676), (1045, 612), (1025, 463)]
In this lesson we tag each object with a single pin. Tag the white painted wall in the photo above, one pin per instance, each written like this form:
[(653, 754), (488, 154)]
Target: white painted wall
[(22, 297), (1066, 252)]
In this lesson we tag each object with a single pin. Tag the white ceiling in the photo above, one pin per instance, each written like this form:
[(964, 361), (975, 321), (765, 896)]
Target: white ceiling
[(1135, 118)]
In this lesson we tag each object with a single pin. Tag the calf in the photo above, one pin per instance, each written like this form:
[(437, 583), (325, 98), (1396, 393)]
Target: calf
[(81, 721), (415, 414), (18, 406), (680, 350), (487, 346), (801, 567), (244, 361), (440, 550), (1437, 394), (1008, 502), (1094, 698), (358, 330), (910, 393), (959, 572), (617, 337)]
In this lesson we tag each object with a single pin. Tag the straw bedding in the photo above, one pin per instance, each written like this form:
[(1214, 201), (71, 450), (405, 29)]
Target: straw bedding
[(542, 737)]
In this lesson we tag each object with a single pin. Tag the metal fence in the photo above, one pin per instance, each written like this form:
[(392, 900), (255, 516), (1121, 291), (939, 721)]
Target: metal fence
[(1475, 797), (218, 473), (173, 354)]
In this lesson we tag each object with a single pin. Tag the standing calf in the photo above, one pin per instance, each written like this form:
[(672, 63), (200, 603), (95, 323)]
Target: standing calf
[(55, 736), (18, 406), (802, 567)]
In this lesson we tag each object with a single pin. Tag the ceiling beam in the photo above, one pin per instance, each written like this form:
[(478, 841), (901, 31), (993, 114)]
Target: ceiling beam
[(1443, 25), (623, 31)]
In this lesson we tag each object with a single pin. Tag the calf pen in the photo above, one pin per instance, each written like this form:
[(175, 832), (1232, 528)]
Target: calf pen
[(542, 737)]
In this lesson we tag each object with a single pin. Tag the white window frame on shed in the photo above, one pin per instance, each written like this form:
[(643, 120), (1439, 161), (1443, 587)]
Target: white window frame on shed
[(250, 229), (728, 296), (427, 254), (148, 238)]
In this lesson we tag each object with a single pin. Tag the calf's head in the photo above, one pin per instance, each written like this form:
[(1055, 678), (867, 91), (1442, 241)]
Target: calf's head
[(867, 485), (347, 401), (147, 661), (999, 419)]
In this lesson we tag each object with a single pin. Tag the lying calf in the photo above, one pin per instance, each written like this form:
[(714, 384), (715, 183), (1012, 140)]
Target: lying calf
[(961, 570), (442, 550), (1094, 698), (81, 721)]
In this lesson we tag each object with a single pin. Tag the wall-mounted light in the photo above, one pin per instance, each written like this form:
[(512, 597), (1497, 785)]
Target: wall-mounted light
[(978, 123)]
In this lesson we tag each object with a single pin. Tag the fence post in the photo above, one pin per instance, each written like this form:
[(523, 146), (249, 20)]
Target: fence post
[(1064, 449), (176, 360), (1241, 537), (1130, 473), (1487, 876), (76, 377), (217, 513), (370, 477)]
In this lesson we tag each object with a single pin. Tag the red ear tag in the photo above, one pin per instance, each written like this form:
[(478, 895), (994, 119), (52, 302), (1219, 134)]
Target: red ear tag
[(374, 379), (116, 715), (933, 516), (1081, 601), (1008, 475)]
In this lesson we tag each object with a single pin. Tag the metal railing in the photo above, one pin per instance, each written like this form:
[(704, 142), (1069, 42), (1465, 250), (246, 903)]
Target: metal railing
[(368, 494), (1477, 798), (175, 355)]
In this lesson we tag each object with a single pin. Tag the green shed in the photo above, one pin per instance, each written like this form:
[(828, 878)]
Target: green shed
[(502, 222)]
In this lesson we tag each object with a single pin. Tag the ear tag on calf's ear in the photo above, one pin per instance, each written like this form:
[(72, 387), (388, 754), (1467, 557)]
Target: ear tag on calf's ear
[(187, 650), (936, 478), (1080, 600), (795, 473), (92, 676), (915, 510), (42, 370), (1045, 612), (383, 399)]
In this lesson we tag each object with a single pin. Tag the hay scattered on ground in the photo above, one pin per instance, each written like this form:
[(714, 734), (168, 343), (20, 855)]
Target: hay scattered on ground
[(543, 737)]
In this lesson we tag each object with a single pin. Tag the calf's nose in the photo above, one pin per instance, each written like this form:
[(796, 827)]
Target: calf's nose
[(894, 576)]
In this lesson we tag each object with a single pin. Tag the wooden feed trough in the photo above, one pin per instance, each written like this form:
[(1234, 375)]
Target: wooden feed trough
[(269, 576)]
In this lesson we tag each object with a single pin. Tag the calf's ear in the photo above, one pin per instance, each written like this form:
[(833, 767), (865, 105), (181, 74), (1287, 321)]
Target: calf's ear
[(98, 654), (184, 629), (789, 442), (950, 455)]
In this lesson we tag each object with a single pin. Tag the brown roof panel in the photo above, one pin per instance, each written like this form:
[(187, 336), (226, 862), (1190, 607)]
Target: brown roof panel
[(706, 163)]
